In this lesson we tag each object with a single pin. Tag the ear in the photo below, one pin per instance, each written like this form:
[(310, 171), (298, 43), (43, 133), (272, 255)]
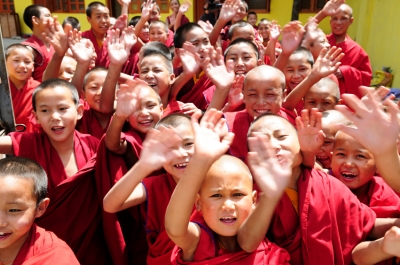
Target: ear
[(41, 208), (79, 111), (34, 21), (36, 116), (351, 20), (198, 203), (259, 62), (340, 102), (284, 93), (171, 79), (161, 109), (254, 198), (89, 19)]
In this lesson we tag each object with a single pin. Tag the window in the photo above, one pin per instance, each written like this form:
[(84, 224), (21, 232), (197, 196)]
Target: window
[(312, 6), (63, 6), (7, 6), (261, 6), (135, 6)]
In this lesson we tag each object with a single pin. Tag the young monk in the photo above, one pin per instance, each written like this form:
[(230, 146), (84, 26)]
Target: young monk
[(309, 220), (36, 17), (158, 31), (252, 19), (356, 69), (177, 18), (58, 148), (221, 189), (98, 17), (22, 199), (270, 32), (19, 63), (152, 193), (67, 68)]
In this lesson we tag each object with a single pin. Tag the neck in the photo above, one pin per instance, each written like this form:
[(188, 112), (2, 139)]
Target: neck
[(65, 146), (102, 118), (165, 100), (296, 172), (340, 38), (360, 190), (7, 255), (265, 42), (18, 83), (98, 36), (40, 37), (229, 242)]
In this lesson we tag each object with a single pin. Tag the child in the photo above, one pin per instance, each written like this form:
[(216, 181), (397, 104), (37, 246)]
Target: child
[(220, 187), (19, 63), (318, 220), (324, 95), (356, 68), (67, 68), (158, 31), (36, 17), (73, 21), (177, 18), (98, 17), (144, 33), (58, 148), (270, 33), (240, 29), (252, 19), (153, 193), (23, 199)]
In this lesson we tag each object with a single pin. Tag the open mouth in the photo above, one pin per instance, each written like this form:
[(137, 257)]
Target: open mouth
[(57, 129), (261, 111), (228, 220), (4, 235), (145, 122), (348, 176), (181, 165), (322, 158)]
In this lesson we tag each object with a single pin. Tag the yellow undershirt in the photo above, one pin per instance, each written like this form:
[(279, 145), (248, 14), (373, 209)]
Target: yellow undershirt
[(294, 198), (195, 79), (99, 43)]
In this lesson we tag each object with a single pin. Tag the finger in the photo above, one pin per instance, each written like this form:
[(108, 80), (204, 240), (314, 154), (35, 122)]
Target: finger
[(228, 139), (313, 117), (305, 118), (299, 123)]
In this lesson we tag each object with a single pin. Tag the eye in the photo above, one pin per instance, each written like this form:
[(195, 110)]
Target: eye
[(216, 195), (361, 156), (189, 144), (327, 103), (14, 210), (327, 142), (340, 154), (43, 110), (311, 102), (238, 194), (281, 137)]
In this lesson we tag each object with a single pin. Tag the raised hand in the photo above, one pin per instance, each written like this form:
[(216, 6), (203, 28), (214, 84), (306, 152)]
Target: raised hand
[(391, 242), (311, 33), (124, 2), (118, 50), (208, 143), (121, 22), (235, 96), (146, 10), (331, 7), (228, 10), (126, 100), (309, 130), (328, 62), (55, 35), (81, 48), (185, 6), (207, 26), (274, 31), (214, 66), (160, 147), (130, 38), (188, 59), (272, 176), (189, 108), (292, 34)]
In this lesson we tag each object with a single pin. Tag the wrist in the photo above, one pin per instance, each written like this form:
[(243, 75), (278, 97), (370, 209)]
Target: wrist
[(120, 118), (145, 168)]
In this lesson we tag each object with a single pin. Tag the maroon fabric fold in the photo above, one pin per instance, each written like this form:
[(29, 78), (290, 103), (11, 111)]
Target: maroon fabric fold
[(102, 53)]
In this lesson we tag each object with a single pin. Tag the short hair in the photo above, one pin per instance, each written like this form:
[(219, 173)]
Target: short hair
[(15, 46), (251, 13), (24, 168), (307, 53), (73, 21), (91, 6), (156, 47), (246, 6), (53, 83), (161, 23), (167, 61), (242, 40), (134, 21), (32, 11), (238, 24), (174, 120), (328, 82), (95, 69), (264, 70), (264, 20), (180, 33)]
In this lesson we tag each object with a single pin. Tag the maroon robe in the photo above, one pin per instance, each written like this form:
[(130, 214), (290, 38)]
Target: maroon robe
[(44, 248), (239, 123), (102, 52), (195, 95), (173, 106), (43, 57), (22, 103), (130, 67), (184, 20), (355, 67), (209, 252), (330, 223), (89, 124)]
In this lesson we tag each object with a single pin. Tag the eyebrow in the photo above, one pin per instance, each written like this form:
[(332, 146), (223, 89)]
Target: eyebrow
[(16, 203)]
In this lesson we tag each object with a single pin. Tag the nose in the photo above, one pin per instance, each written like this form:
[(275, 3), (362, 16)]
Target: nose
[(275, 144), (348, 163), (55, 115), (239, 61), (228, 205), (3, 220)]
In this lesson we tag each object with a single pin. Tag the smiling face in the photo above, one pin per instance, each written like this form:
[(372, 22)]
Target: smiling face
[(18, 207), (263, 29), (174, 6), (352, 164), (45, 18), (199, 39), (342, 20), (244, 58), (318, 44), (263, 91), (226, 197), (93, 87), (240, 13), (322, 97), (296, 69), (57, 113), (19, 65), (158, 33), (100, 19)]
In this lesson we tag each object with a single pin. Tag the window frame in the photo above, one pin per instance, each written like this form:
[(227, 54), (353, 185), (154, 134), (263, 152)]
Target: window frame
[(313, 7), (69, 6), (8, 3), (264, 11), (160, 3)]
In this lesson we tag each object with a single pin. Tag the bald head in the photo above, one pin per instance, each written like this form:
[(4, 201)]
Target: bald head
[(334, 117), (265, 72), (346, 8), (327, 84), (227, 166), (144, 90)]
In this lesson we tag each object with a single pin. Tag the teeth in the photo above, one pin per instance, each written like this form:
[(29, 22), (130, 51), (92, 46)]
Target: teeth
[(262, 111), (181, 165), (2, 233), (348, 175)]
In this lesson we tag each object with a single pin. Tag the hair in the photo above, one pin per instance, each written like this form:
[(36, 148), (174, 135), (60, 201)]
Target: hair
[(174, 120), (96, 69), (15, 46), (91, 6), (162, 24), (328, 82), (239, 41), (307, 53), (179, 3), (264, 115), (180, 33), (264, 20), (134, 21), (156, 47), (32, 11), (24, 168), (246, 6), (73, 21), (53, 83), (238, 24), (167, 61), (251, 13)]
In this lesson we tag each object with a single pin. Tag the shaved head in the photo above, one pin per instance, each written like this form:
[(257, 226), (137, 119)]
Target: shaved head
[(228, 165), (265, 72), (346, 8), (334, 117), (328, 83)]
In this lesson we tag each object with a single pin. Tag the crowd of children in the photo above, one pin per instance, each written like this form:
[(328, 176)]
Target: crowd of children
[(183, 143)]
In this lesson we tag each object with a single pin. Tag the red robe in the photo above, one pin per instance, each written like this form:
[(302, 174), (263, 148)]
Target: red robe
[(130, 67), (37, 146), (195, 95), (170, 41), (355, 67), (159, 190), (208, 251), (22, 103), (44, 248), (184, 20), (239, 123), (173, 106), (102, 52), (43, 57), (89, 124), (330, 223)]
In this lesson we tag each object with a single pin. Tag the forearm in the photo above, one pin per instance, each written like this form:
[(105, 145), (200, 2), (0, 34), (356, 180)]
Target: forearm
[(297, 94), (79, 76), (308, 159), (388, 166), (107, 96), (282, 61), (124, 9), (382, 225), (53, 68), (213, 37), (320, 16), (180, 81), (252, 232), (271, 51), (218, 99), (178, 19), (369, 253), (113, 135)]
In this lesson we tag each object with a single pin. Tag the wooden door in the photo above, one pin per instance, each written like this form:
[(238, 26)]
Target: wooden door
[(198, 11)]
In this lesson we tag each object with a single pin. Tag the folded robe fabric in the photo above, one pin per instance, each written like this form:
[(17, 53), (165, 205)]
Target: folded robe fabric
[(43, 57), (173, 106), (37, 146), (208, 251), (102, 52), (22, 103), (44, 248), (331, 221), (355, 66), (195, 95), (89, 124)]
